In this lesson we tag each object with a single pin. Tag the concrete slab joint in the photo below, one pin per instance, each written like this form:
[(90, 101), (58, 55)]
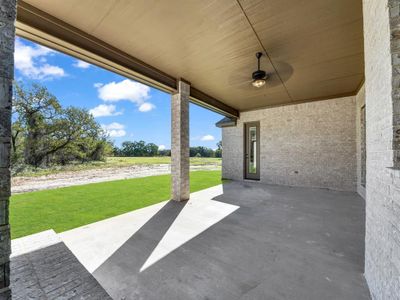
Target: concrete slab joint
[(180, 142), (7, 35)]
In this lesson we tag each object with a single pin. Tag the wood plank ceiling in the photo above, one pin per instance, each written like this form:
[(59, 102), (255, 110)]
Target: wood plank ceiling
[(314, 47)]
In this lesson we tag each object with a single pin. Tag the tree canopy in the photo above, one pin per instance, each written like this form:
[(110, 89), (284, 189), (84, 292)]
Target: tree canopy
[(141, 148), (44, 132)]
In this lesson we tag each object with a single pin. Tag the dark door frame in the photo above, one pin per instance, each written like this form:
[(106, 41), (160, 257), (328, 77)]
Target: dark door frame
[(246, 147)]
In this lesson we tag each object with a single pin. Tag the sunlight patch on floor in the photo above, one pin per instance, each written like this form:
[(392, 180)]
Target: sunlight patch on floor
[(199, 214), (93, 244)]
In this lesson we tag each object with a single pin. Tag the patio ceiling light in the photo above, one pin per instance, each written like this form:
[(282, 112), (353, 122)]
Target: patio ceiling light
[(259, 76)]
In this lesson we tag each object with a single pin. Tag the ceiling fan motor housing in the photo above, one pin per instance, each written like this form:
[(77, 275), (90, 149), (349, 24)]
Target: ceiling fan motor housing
[(259, 74)]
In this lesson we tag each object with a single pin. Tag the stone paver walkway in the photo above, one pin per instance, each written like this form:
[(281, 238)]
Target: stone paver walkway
[(50, 271)]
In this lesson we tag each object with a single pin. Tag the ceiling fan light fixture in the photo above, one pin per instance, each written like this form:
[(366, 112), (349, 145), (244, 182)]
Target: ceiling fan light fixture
[(259, 76), (258, 83)]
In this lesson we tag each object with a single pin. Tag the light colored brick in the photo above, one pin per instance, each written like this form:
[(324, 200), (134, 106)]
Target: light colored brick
[(180, 143), (381, 44), (311, 144)]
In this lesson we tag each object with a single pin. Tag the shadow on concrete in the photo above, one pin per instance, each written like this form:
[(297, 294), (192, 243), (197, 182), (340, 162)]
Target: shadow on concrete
[(116, 272)]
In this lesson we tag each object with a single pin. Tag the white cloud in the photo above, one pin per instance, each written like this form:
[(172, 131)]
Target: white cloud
[(208, 137), (114, 129), (81, 64), (147, 106), (114, 125), (161, 147), (124, 90), (32, 63), (128, 90), (105, 110), (51, 71)]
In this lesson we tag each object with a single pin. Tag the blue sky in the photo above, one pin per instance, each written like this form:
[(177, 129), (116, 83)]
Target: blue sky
[(126, 109)]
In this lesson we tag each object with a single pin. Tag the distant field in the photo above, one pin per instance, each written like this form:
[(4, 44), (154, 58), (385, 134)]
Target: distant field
[(128, 161), (66, 208), (114, 162)]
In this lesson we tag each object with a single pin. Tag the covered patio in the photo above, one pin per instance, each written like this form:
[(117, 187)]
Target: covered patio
[(311, 131), (239, 240)]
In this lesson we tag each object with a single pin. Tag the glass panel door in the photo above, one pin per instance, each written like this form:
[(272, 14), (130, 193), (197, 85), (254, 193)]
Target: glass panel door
[(252, 151)]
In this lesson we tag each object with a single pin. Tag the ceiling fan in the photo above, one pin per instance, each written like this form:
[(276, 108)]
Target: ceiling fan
[(260, 79), (259, 76)]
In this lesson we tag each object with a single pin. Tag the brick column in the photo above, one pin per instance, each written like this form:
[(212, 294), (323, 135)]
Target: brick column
[(180, 142), (7, 34)]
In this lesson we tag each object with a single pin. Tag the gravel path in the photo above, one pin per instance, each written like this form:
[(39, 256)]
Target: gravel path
[(46, 182)]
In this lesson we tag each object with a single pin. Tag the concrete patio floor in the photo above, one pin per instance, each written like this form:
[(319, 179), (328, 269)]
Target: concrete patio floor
[(240, 240)]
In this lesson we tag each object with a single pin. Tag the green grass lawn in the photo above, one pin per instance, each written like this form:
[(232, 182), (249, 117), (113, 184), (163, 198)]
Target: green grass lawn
[(66, 208), (112, 162)]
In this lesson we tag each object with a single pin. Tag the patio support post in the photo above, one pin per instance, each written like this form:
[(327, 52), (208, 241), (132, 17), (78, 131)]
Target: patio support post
[(180, 142), (7, 36)]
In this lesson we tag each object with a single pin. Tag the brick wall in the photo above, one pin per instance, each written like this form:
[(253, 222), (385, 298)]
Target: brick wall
[(311, 144), (382, 253)]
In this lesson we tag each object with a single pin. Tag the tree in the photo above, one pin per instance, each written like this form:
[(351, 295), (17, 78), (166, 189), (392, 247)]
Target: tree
[(52, 133), (165, 152), (203, 151), (137, 148), (218, 151), (17, 140), (151, 149), (36, 111), (128, 149), (79, 135)]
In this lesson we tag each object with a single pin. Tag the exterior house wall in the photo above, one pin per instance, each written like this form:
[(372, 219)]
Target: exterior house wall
[(382, 243), (311, 144)]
